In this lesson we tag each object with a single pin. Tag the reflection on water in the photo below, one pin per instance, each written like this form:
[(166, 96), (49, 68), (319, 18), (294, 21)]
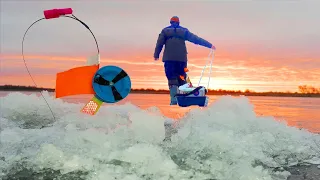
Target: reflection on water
[(299, 112)]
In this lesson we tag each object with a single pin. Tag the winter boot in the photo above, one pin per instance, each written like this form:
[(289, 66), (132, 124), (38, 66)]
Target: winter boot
[(173, 92)]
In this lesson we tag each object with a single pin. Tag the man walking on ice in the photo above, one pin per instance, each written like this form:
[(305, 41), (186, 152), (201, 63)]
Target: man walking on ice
[(175, 53)]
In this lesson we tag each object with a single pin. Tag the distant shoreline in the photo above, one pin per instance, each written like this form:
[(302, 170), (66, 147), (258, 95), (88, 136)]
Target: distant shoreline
[(152, 91), (23, 88)]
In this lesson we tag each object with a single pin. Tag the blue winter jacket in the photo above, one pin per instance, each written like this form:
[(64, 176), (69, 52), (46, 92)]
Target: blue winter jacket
[(174, 37)]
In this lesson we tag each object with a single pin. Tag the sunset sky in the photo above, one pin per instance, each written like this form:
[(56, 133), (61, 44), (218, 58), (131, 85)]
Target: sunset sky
[(261, 45)]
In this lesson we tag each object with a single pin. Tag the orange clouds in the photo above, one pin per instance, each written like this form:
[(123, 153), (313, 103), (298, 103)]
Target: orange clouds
[(229, 72)]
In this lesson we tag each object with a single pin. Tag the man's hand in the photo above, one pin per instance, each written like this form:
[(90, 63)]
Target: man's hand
[(156, 59), (213, 47)]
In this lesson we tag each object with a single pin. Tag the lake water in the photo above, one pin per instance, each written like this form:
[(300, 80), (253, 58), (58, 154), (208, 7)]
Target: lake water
[(234, 138)]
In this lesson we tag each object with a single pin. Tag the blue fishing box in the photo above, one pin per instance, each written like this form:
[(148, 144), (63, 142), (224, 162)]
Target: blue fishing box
[(196, 97)]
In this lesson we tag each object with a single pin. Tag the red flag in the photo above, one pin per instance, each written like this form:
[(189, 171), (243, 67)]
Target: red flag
[(75, 81)]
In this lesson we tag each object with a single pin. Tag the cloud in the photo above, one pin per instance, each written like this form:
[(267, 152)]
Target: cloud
[(151, 74)]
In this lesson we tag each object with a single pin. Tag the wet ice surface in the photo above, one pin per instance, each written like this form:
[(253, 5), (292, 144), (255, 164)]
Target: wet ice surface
[(225, 141)]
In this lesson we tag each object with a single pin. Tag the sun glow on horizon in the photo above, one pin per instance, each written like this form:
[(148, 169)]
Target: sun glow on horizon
[(228, 74)]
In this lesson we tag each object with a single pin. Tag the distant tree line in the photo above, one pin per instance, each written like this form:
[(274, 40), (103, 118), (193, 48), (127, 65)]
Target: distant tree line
[(305, 89), (23, 88)]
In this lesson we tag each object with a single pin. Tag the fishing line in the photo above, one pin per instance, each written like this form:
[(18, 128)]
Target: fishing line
[(72, 17)]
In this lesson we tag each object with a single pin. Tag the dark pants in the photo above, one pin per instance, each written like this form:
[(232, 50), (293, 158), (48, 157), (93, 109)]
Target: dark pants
[(173, 70)]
